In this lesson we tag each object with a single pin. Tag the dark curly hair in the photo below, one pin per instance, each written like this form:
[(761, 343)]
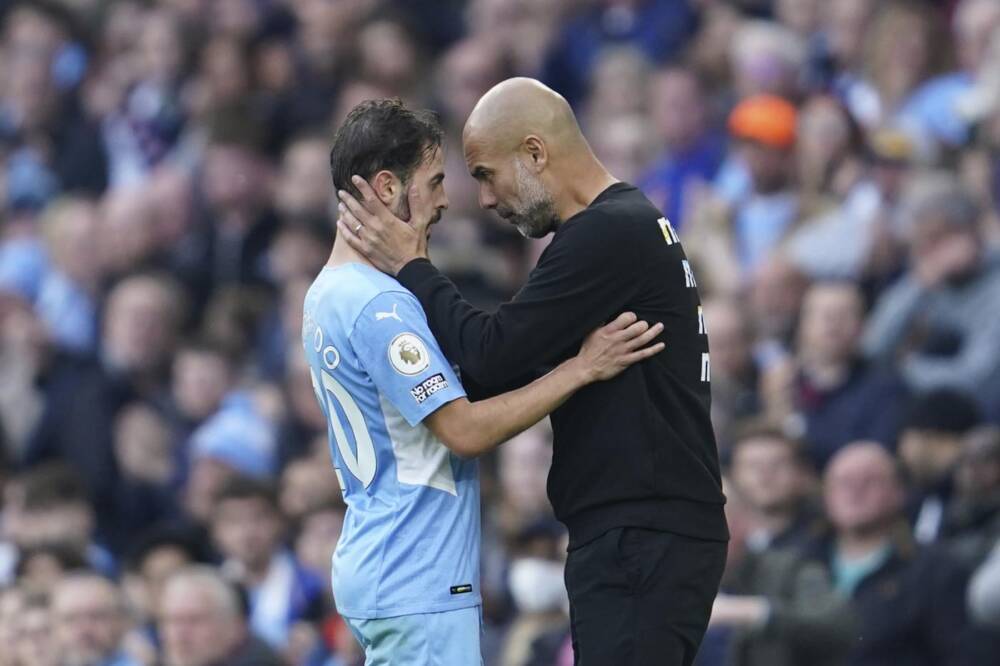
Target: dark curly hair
[(382, 135)]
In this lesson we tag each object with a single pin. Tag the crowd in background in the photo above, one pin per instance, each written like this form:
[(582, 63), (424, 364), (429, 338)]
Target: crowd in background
[(165, 200)]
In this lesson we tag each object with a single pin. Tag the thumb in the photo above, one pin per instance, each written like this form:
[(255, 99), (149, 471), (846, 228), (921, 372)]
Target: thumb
[(420, 213)]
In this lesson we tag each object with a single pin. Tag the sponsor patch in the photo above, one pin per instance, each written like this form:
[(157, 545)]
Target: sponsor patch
[(428, 387), (408, 354), (461, 589)]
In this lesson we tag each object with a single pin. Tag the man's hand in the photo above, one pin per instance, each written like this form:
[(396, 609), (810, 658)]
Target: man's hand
[(952, 256), (610, 349), (385, 240)]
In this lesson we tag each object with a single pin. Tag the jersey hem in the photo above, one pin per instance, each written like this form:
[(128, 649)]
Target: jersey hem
[(419, 609)]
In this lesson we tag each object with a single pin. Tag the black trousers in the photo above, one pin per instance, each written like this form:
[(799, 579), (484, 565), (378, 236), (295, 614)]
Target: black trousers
[(641, 597)]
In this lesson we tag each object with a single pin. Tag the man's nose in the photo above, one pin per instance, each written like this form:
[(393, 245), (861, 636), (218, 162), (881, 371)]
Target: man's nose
[(486, 199)]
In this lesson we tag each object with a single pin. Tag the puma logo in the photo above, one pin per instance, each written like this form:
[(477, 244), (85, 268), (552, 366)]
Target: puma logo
[(379, 316)]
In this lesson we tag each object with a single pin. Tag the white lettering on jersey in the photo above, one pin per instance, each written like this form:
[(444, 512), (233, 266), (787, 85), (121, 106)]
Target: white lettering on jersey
[(331, 357), (706, 368), (669, 234), (379, 316), (701, 321), (688, 274)]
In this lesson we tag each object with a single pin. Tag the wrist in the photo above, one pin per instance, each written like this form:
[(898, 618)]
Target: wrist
[(579, 371)]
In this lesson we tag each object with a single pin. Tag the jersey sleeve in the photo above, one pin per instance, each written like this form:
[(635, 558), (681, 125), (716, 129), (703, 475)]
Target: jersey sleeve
[(396, 348)]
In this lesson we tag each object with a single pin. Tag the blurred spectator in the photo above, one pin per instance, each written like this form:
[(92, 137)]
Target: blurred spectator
[(90, 621), (303, 185), (306, 484), (33, 644), (770, 473), (535, 579), (828, 154), (781, 609), (236, 441), (11, 604), (247, 529), (776, 292), (735, 374), (930, 447), (942, 319), (67, 299), (318, 534), (158, 553), (869, 212), (40, 567), (83, 396), (659, 29), (905, 45), (203, 373), (201, 622), (147, 124), (909, 602), (974, 511), (733, 237), (48, 506), (692, 150), (984, 591), (934, 109), (767, 59), (833, 395)]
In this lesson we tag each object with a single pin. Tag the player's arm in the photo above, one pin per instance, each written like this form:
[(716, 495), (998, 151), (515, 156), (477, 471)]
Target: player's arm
[(579, 284), (471, 429)]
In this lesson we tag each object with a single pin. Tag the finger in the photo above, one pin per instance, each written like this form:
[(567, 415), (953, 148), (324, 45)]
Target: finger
[(645, 338), (363, 214), (348, 234), (643, 354), (634, 331), (367, 193), (622, 321)]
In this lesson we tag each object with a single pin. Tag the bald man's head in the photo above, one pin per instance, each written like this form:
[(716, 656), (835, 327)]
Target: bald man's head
[(89, 614), (521, 143), (863, 489)]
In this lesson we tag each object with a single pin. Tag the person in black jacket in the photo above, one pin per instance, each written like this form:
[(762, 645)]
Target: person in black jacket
[(908, 600), (635, 472)]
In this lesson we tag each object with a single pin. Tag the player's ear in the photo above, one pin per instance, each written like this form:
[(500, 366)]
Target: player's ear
[(536, 152), (386, 186)]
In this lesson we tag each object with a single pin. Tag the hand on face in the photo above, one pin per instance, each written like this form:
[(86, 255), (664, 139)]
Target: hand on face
[(379, 234)]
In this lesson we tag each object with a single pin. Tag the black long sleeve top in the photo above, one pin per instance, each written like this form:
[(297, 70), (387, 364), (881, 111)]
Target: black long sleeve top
[(637, 450)]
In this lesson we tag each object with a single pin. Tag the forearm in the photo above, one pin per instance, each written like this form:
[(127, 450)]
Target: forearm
[(890, 321), (478, 427)]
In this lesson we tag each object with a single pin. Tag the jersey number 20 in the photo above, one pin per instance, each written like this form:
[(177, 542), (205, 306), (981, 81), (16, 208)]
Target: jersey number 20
[(362, 465)]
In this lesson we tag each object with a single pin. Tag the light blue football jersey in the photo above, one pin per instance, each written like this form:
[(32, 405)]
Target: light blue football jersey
[(410, 542)]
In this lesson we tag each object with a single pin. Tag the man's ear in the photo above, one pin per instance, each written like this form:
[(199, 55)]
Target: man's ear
[(536, 151), (386, 186)]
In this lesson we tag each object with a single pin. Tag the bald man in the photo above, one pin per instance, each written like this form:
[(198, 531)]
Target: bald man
[(635, 473), (202, 623), (90, 621)]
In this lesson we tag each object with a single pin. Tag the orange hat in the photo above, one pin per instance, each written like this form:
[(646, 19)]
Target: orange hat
[(766, 119)]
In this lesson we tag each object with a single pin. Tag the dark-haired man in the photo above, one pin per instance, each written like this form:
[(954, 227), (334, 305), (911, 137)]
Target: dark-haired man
[(405, 572), (635, 471)]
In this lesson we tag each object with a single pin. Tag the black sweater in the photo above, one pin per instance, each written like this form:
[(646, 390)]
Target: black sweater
[(637, 450)]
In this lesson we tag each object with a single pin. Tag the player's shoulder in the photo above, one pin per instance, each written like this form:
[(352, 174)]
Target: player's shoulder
[(620, 208), (621, 217), (349, 290)]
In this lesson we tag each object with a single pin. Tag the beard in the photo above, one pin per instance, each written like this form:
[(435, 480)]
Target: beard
[(402, 211), (535, 215)]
